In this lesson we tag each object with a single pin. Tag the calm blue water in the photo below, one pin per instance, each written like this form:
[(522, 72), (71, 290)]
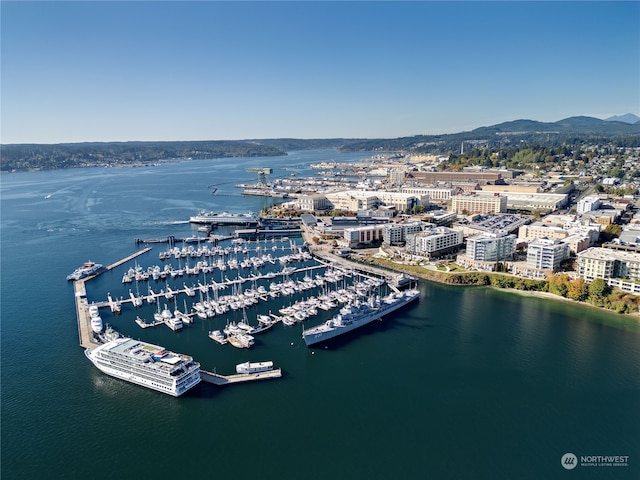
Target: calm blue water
[(469, 383)]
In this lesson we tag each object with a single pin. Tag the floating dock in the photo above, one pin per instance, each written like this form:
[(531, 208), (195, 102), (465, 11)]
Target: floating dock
[(218, 379)]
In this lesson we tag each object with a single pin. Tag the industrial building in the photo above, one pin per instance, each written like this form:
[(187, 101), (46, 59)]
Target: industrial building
[(470, 203)]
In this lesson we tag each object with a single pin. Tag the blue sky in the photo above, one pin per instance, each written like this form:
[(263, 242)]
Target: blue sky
[(117, 71)]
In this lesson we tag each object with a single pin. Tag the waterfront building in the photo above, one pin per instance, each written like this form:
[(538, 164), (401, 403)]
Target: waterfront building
[(469, 203), (396, 233), (607, 263), (434, 242), (362, 236), (491, 247), (546, 253)]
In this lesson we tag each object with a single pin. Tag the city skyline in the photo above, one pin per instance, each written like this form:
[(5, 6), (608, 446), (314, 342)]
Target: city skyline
[(165, 71)]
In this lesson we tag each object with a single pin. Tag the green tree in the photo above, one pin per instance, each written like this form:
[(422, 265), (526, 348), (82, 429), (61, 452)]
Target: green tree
[(598, 289)]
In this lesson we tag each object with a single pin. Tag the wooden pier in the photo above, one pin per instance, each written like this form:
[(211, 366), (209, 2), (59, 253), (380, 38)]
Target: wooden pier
[(218, 379), (85, 333), (126, 259)]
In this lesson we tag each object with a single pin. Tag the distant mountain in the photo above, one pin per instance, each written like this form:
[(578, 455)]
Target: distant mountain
[(626, 118), (517, 132), (576, 125)]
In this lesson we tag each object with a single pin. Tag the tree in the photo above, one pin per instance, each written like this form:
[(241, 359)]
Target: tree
[(598, 289), (559, 284), (578, 289)]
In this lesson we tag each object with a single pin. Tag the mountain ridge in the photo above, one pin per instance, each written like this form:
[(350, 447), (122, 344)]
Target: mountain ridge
[(626, 118)]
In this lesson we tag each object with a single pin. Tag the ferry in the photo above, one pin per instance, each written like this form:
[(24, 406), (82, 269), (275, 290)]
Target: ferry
[(147, 365), (356, 315), (225, 218), (88, 268), (256, 367)]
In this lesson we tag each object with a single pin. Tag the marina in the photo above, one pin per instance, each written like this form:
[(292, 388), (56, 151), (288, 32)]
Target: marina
[(329, 286)]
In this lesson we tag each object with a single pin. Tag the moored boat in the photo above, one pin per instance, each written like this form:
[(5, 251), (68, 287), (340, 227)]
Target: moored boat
[(88, 268), (147, 365), (255, 367), (357, 315)]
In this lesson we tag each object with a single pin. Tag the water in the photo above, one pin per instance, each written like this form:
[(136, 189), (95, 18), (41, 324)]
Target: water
[(468, 383)]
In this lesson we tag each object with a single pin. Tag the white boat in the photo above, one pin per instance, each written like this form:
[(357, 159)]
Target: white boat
[(241, 340), (218, 336), (135, 301), (174, 323), (93, 310), (147, 365), (356, 315), (225, 218), (256, 367), (88, 268), (189, 291), (96, 320)]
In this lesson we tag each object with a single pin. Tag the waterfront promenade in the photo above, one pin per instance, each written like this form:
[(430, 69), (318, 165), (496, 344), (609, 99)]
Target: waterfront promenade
[(323, 254)]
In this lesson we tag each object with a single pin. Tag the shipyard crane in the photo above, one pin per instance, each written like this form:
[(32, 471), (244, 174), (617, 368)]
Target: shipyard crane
[(262, 174)]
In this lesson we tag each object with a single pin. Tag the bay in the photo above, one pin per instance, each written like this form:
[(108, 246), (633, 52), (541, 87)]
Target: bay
[(468, 383)]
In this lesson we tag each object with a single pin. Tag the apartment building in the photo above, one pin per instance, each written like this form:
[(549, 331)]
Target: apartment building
[(546, 253)]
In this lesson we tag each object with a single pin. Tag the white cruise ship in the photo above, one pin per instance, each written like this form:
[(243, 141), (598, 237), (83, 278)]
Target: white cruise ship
[(146, 364), (358, 315)]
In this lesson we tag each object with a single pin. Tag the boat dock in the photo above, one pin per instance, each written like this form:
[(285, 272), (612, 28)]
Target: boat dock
[(218, 379), (126, 259), (85, 333), (114, 303), (144, 324)]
